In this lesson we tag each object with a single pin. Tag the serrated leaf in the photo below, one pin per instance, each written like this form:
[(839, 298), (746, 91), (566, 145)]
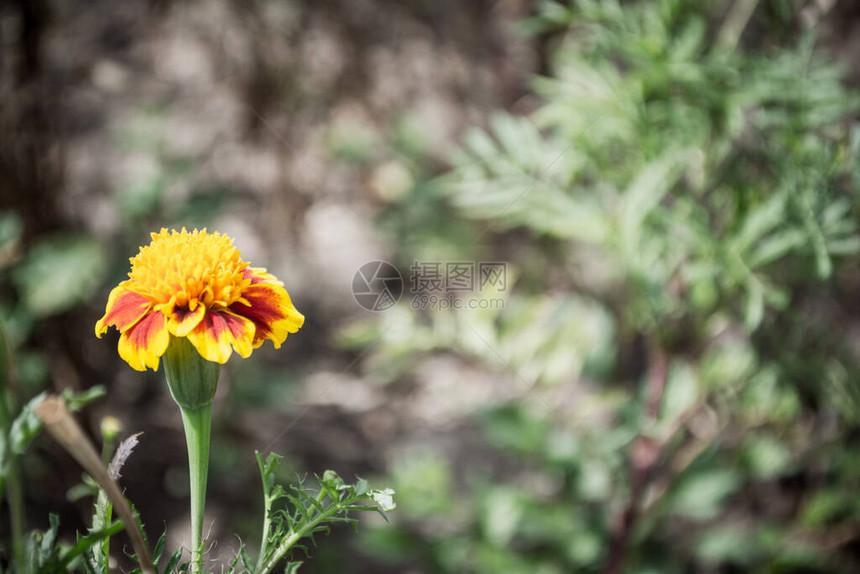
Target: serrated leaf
[(384, 498), (79, 491), (755, 306), (246, 560), (361, 487), (88, 562), (47, 546), (85, 543), (762, 220), (231, 567), (159, 547), (300, 508), (644, 194), (78, 400), (816, 235), (774, 247), (173, 562), (26, 426)]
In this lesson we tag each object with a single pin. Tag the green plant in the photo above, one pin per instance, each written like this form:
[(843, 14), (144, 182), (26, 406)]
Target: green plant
[(691, 201), (291, 515), (213, 303)]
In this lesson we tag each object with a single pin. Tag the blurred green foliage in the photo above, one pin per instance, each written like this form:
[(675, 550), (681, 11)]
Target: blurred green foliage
[(679, 220)]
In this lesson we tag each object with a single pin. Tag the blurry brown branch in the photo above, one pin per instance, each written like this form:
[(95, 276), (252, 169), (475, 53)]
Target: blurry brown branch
[(736, 20), (644, 454), (63, 427)]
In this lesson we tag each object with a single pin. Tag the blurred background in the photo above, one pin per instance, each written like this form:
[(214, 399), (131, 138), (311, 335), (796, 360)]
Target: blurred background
[(671, 382)]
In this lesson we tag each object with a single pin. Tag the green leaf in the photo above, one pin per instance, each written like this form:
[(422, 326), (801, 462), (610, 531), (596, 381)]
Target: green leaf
[(78, 400), (159, 547), (702, 495), (231, 567), (503, 510), (755, 305), (361, 487), (268, 469), (79, 491), (645, 192), (58, 273), (49, 538), (173, 562), (383, 498), (774, 247), (26, 426), (300, 508), (726, 544), (86, 542), (246, 560), (766, 457), (312, 513), (682, 391), (762, 220), (827, 505), (846, 246)]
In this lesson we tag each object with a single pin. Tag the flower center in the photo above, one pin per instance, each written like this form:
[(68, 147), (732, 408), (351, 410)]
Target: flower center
[(187, 269)]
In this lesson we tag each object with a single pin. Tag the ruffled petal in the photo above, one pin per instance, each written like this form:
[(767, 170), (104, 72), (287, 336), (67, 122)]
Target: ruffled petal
[(219, 333), (142, 345), (271, 310), (181, 320), (124, 308)]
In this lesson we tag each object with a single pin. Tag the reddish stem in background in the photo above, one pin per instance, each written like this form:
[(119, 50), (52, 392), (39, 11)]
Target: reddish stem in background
[(642, 456)]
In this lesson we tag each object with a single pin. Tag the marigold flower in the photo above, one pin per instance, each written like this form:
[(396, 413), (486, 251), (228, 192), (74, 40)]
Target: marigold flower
[(195, 285)]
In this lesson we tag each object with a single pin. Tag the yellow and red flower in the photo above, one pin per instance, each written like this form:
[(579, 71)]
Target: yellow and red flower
[(195, 285)]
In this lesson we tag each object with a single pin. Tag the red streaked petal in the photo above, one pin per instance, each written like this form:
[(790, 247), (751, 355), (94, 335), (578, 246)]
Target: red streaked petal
[(181, 321), (260, 275), (124, 309), (219, 333), (142, 345), (271, 311)]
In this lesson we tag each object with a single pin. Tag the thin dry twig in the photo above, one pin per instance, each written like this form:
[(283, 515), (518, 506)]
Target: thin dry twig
[(63, 427)]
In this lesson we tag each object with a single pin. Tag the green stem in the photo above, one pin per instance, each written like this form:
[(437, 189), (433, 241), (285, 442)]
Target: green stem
[(14, 495), (11, 481), (103, 520), (267, 523), (198, 424)]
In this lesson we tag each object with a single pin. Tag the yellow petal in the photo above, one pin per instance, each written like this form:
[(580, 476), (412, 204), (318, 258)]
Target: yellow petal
[(124, 308), (260, 275), (219, 333), (142, 345), (182, 321), (272, 312)]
